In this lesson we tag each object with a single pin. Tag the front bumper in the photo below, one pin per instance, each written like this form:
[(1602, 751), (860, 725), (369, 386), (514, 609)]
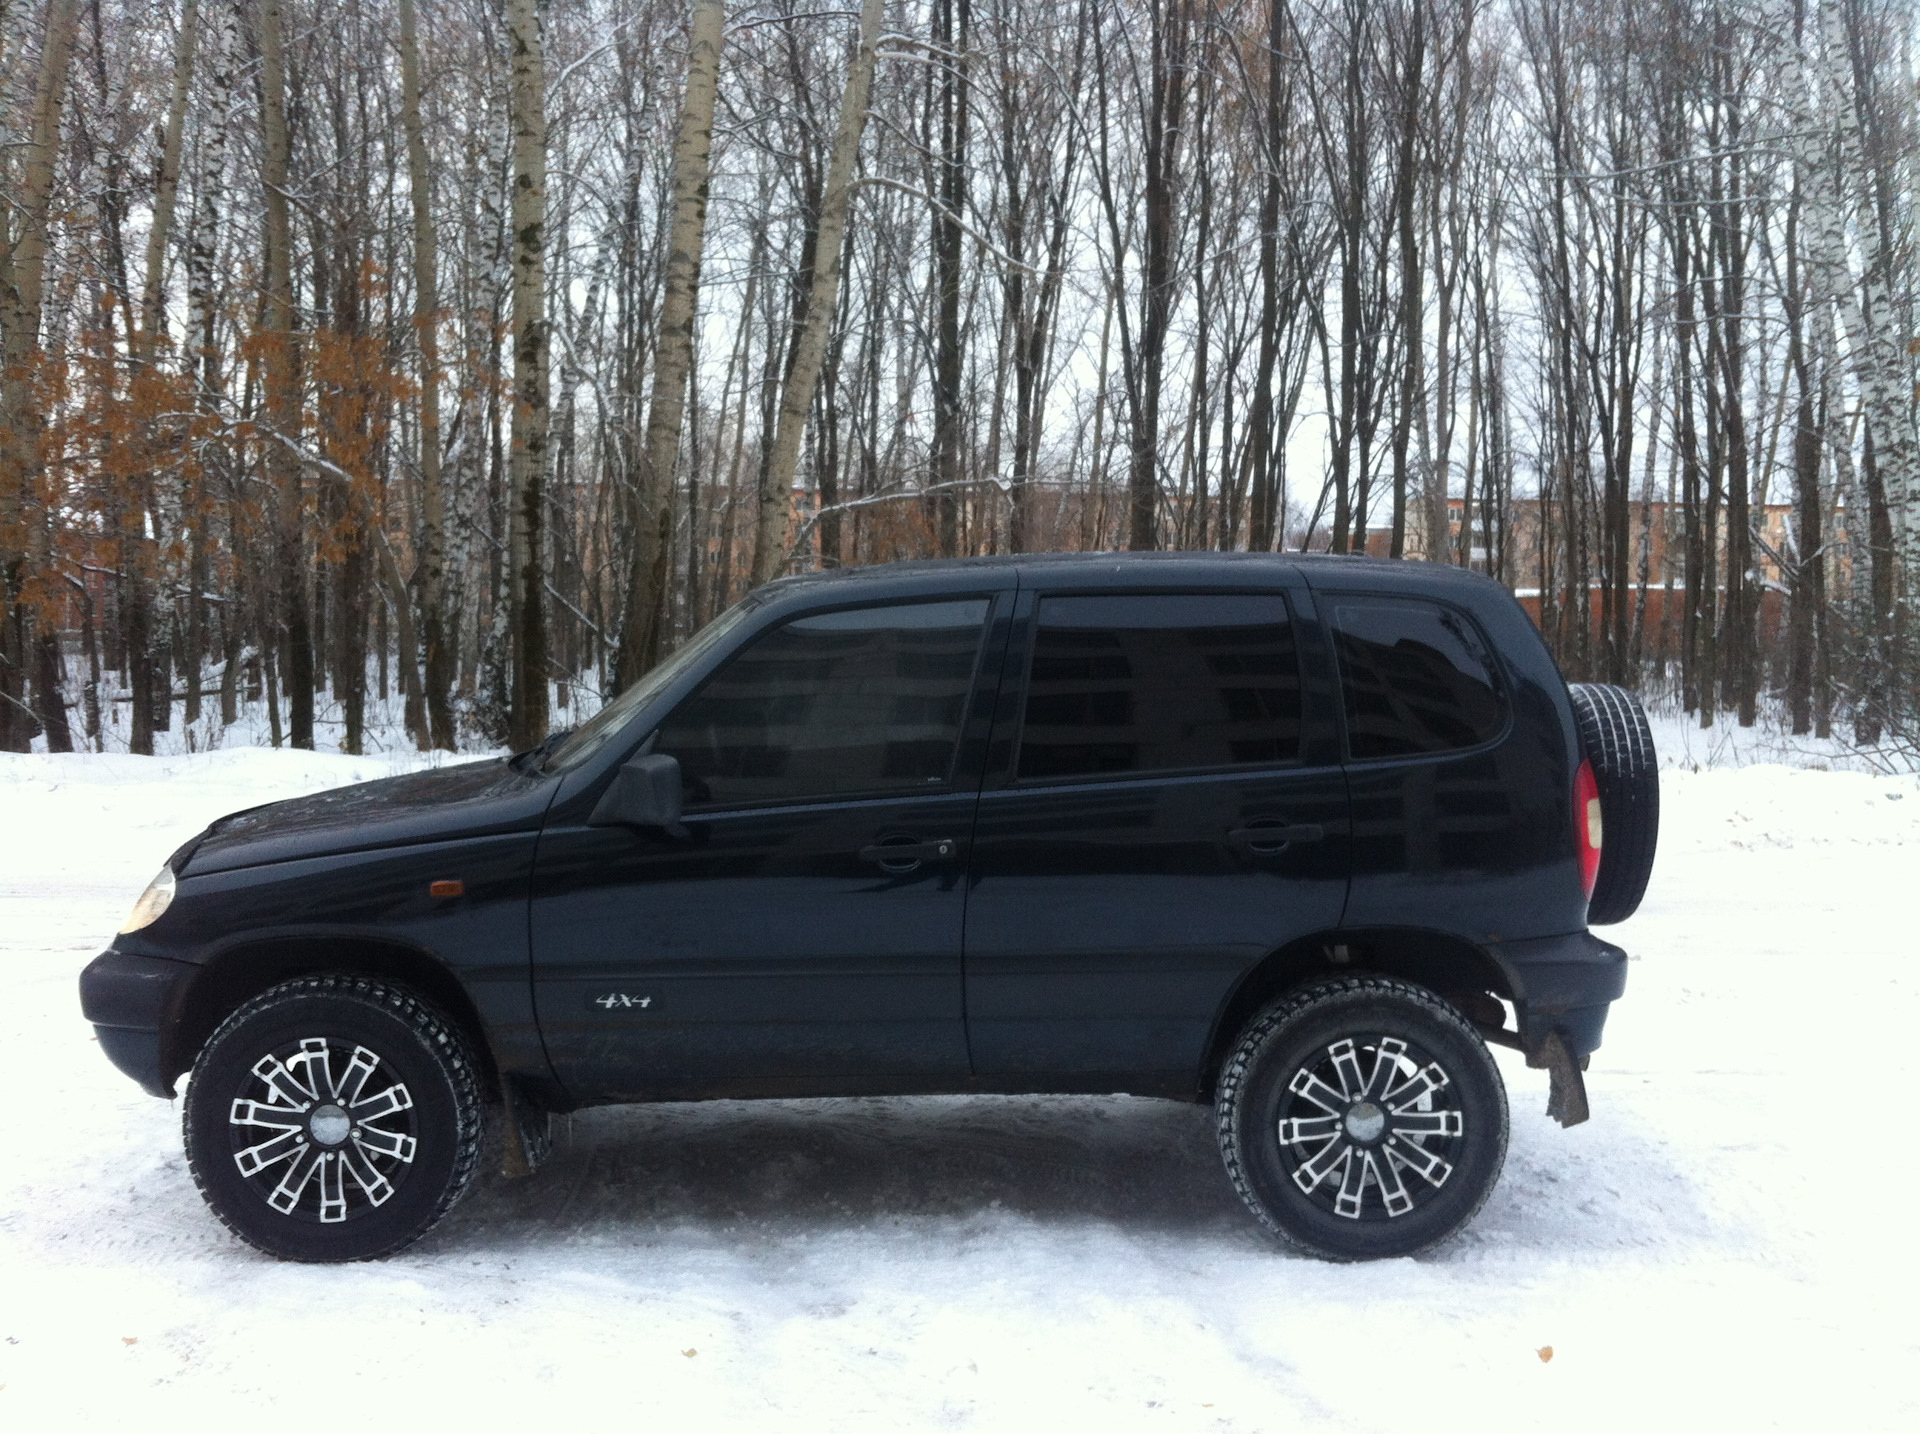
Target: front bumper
[(1563, 984), (131, 1001)]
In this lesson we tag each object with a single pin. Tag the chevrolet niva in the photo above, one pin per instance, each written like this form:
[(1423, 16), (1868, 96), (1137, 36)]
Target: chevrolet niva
[(1293, 836)]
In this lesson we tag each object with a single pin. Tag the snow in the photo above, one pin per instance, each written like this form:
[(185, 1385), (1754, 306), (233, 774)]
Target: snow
[(1728, 1243)]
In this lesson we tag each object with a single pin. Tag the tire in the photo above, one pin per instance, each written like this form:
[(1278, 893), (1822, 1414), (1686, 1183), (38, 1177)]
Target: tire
[(1328, 1164), (1618, 745), (333, 1118)]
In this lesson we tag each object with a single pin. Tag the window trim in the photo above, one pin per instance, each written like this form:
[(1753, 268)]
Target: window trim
[(1330, 601), (946, 787), (1018, 718)]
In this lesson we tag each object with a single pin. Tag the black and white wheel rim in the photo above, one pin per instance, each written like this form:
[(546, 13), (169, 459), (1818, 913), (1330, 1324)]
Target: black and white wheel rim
[(321, 1132), (1370, 1127)]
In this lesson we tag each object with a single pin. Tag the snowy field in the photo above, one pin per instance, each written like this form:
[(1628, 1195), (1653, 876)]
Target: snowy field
[(1729, 1243)]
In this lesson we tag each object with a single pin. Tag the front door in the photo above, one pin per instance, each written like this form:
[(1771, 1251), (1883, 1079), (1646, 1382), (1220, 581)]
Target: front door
[(1167, 811), (805, 933)]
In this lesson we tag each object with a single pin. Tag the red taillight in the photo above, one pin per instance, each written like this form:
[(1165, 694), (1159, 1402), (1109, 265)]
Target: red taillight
[(1587, 827)]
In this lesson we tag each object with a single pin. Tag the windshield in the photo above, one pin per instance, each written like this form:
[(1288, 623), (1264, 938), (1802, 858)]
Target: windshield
[(596, 731)]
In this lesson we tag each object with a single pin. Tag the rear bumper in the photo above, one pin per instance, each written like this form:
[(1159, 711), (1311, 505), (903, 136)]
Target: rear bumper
[(1565, 984), (131, 1001)]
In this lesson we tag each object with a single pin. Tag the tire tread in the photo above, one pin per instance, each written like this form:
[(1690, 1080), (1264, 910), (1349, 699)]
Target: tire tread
[(435, 1030), (1618, 742), (1238, 1066)]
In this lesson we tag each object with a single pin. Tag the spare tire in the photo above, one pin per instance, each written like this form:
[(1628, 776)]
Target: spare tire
[(1618, 745)]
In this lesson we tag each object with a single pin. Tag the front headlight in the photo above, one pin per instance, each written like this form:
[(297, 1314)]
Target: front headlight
[(154, 900)]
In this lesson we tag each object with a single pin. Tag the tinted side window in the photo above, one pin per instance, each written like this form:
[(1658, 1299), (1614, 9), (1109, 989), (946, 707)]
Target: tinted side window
[(1141, 684), (1415, 678), (863, 702)]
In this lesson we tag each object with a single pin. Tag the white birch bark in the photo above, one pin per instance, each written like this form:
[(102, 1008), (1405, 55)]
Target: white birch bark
[(642, 633), (23, 238), (1876, 346), (796, 400), (203, 241)]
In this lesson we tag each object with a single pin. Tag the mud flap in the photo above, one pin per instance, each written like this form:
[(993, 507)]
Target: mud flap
[(1567, 1087), (528, 1135)]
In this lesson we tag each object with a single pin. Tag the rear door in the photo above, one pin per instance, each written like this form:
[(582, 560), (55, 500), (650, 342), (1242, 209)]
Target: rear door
[(1164, 808), (805, 933)]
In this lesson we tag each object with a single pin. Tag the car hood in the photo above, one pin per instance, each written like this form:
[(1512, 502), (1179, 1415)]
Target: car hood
[(447, 803)]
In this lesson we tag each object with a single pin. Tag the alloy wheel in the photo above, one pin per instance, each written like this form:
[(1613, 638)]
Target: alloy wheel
[(323, 1132), (1370, 1127)]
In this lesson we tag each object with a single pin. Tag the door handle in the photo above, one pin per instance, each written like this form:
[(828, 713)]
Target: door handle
[(1274, 838), (899, 856)]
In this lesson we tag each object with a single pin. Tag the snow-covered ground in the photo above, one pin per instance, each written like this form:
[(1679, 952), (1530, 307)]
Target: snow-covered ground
[(1729, 1243)]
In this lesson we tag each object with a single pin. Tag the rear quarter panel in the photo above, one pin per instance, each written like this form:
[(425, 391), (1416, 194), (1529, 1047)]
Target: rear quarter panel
[(1479, 843)]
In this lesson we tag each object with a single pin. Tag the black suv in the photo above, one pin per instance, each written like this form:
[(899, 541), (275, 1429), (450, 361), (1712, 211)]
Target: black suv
[(1284, 834)]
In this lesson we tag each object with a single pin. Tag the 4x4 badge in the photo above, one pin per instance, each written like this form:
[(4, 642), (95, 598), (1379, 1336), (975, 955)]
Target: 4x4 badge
[(620, 1001)]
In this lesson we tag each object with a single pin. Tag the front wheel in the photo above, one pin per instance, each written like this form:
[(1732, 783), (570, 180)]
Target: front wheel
[(333, 1118), (1362, 1118)]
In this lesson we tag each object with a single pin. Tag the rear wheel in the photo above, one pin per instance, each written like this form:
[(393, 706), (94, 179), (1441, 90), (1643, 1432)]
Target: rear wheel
[(1362, 1118), (333, 1118)]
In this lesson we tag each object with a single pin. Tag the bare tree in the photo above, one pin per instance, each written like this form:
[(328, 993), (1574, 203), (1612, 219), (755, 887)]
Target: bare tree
[(1612, 301), (434, 692), (647, 590), (527, 720), (796, 398), (23, 261)]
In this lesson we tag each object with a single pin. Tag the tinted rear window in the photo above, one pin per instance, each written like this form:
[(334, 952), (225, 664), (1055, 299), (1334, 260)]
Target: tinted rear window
[(1415, 677), (1142, 684)]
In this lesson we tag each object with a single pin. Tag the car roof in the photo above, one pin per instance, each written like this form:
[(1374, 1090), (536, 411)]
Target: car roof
[(1319, 568)]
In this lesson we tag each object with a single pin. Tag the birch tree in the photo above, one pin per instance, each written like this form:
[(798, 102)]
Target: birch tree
[(641, 631), (810, 347)]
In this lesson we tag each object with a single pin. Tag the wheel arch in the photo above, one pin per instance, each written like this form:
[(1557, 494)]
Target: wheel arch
[(242, 971), (1448, 965)]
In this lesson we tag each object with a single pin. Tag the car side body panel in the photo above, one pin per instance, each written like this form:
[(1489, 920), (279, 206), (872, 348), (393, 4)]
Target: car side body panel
[(1476, 847)]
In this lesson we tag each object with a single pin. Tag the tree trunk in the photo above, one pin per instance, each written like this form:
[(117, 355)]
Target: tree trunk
[(23, 261), (437, 685), (282, 373), (203, 363), (949, 360), (200, 344), (1262, 520), (1875, 710), (167, 183), (1806, 588), (642, 632), (396, 587), (1165, 103), (1877, 340), (1411, 291), (796, 398), (152, 321), (49, 704), (527, 461)]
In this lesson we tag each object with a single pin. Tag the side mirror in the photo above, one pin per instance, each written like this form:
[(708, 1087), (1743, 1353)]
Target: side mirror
[(645, 793)]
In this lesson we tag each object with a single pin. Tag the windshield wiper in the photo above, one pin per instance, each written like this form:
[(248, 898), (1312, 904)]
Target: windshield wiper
[(533, 756)]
